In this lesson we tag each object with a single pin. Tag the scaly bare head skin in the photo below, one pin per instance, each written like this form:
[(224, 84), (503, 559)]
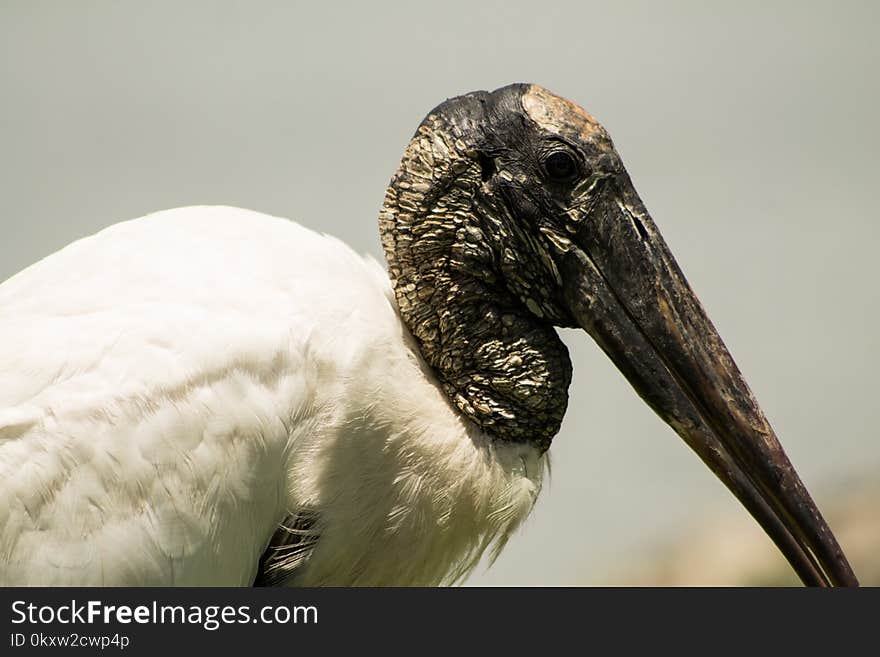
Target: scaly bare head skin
[(562, 117), (512, 213)]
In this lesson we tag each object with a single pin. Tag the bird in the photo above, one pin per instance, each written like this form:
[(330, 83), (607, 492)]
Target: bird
[(214, 396)]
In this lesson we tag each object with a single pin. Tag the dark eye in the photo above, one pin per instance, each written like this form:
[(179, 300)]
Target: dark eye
[(560, 166)]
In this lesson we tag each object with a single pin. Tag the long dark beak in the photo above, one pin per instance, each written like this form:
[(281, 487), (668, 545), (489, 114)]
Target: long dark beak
[(625, 289)]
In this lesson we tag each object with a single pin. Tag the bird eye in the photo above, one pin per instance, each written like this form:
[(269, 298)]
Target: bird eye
[(560, 166)]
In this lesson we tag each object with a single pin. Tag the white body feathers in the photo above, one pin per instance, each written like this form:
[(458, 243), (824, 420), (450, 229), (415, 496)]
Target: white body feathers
[(172, 388)]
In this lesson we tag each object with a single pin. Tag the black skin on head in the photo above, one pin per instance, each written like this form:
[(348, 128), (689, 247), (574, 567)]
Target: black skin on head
[(468, 228), (535, 174)]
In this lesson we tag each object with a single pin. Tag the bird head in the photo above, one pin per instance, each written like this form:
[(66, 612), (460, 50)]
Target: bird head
[(512, 213)]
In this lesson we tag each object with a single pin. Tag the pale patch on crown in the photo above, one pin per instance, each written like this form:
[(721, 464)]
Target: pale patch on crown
[(561, 116)]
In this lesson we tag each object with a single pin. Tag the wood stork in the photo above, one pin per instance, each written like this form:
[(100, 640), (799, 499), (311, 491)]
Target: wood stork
[(210, 395)]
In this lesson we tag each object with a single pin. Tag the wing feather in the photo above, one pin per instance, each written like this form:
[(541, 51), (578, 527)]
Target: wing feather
[(289, 549), (150, 378)]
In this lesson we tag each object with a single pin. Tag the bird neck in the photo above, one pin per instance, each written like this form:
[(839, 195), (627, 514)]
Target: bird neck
[(501, 365)]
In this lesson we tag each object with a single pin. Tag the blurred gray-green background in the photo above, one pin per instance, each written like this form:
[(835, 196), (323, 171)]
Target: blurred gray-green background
[(749, 128)]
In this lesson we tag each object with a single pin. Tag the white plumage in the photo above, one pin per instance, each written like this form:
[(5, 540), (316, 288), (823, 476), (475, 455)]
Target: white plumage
[(174, 387)]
